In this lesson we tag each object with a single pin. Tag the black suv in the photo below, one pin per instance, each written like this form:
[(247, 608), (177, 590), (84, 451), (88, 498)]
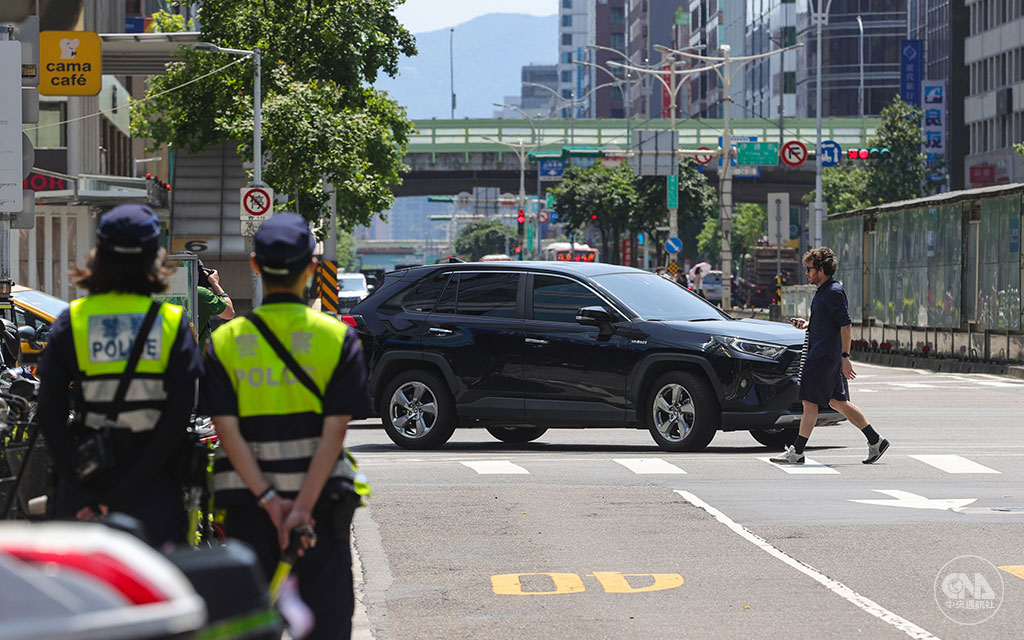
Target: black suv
[(521, 347)]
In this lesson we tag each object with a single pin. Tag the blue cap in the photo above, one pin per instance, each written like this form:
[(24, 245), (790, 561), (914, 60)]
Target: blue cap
[(129, 229), (284, 245)]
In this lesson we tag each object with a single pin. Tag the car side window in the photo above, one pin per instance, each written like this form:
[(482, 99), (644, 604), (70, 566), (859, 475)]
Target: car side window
[(557, 299), (446, 303), (424, 295), (492, 295)]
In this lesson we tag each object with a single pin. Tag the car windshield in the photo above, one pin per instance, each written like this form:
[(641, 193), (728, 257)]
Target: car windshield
[(351, 282), (656, 298)]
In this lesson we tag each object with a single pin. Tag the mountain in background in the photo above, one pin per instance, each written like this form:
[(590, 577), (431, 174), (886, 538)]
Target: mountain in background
[(490, 52)]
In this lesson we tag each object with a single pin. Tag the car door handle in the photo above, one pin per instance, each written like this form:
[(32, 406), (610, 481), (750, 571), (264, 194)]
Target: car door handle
[(438, 331), (535, 341)]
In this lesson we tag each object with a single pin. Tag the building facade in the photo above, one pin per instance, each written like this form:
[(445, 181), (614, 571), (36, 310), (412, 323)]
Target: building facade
[(713, 23), (573, 37), (994, 108), (607, 30), (771, 81), (885, 25), (536, 101)]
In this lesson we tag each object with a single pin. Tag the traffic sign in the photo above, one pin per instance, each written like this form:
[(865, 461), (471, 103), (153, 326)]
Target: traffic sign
[(673, 245), (794, 153), (12, 169), (757, 153), (70, 63), (702, 158), (257, 205), (611, 157), (543, 216), (831, 153), (551, 170), (672, 191)]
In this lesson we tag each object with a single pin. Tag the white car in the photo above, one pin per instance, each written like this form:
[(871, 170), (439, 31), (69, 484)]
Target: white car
[(352, 288)]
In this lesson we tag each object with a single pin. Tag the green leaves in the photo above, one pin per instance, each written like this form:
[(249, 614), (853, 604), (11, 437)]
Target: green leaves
[(478, 239), (321, 121)]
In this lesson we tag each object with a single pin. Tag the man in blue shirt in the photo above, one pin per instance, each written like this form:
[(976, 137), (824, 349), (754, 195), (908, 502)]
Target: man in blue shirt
[(826, 366)]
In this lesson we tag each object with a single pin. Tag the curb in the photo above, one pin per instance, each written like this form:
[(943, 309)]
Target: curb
[(943, 365), (360, 619)]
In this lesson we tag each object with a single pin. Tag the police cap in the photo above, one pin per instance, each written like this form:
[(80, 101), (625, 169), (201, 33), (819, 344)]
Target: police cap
[(128, 229), (284, 245)]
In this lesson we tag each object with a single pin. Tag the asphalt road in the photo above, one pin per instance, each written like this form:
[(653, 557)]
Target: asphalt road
[(599, 534)]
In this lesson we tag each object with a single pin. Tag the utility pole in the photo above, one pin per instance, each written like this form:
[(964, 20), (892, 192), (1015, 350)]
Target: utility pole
[(451, 66)]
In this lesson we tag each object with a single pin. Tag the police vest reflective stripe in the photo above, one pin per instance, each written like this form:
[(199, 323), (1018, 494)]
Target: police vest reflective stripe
[(280, 418), (103, 329)]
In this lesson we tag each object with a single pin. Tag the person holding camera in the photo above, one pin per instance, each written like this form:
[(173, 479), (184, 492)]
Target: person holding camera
[(213, 301), (127, 365)]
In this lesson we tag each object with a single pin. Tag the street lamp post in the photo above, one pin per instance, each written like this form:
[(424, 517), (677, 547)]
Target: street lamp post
[(722, 65), (520, 151), (624, 85), (860, 94), (257, 140), (820, 20)]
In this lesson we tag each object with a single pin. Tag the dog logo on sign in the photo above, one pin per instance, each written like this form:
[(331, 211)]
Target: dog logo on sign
[(69, 48)]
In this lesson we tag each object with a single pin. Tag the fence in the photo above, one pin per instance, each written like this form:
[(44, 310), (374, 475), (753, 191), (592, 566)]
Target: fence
[(938, 275)]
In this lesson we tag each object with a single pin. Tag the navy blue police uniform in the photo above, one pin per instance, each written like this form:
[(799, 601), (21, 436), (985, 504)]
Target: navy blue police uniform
[(282, 422), (88, 344), (821, 380)]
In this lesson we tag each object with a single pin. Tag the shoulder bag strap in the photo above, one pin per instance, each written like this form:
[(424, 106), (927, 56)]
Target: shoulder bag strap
[(133, 360), (282, 353)]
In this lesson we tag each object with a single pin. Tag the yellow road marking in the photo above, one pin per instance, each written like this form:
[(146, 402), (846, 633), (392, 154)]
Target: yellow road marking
[(1017, 570)]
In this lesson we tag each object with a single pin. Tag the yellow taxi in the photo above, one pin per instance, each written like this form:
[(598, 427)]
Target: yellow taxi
[(37, 310)]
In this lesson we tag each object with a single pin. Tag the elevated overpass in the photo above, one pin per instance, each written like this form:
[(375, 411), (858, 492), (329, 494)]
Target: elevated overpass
[(450, 156)]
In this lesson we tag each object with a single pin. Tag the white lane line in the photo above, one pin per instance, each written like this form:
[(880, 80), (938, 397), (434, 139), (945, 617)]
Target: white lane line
[(808, 467), (1002, 385), (648, 466), (859, 390), (840, 589), (495, 467), (914, 385), (954, 464)]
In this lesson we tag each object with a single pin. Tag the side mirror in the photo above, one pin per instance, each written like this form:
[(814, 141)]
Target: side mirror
[(370, 287), (26, 333), (593, 316)]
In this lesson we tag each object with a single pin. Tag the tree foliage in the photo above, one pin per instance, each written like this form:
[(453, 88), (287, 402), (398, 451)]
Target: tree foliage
[(625, 203), (750, 223), (478, 239), (320, 121), (869, 183)]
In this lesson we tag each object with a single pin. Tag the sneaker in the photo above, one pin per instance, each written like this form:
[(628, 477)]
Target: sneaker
[(876, 450), (789, 456)]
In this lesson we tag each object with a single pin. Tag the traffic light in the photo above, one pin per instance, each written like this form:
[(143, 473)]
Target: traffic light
[(521, 219), (593, 216), (874, 153)]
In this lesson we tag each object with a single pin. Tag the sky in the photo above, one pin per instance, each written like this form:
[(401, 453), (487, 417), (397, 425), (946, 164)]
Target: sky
[(423, 15)]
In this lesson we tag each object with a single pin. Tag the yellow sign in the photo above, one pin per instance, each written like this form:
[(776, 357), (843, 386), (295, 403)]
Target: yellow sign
[(70, 63), (672, 268)]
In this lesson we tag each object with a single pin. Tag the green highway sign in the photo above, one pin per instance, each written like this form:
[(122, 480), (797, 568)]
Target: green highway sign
[(757, 153), (672, 189), (440, 198)]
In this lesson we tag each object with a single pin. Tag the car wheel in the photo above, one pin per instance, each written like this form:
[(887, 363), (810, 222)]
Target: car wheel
[(516, 434), (418, 411), (681, 412), (776, 438)]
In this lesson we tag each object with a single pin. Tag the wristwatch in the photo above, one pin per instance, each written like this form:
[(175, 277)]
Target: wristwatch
[(846, 355)]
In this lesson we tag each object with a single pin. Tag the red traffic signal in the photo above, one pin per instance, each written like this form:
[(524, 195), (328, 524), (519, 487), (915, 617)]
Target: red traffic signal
[(522, 217), (875, 153), (593, 216)]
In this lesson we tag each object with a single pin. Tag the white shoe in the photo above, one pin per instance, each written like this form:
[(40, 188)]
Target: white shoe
[(788, 456), (876, 450)]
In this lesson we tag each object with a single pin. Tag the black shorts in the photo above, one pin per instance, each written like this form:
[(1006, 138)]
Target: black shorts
[(822, 381)]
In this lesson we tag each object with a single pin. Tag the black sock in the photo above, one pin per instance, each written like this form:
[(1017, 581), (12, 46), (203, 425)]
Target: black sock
[(870, 434), (799, 444)]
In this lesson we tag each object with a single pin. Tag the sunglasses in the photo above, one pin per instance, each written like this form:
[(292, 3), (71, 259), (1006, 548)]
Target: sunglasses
[(809, 269)]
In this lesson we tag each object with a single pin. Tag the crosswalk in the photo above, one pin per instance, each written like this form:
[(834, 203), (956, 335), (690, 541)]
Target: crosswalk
[(928, 381), (702, 465)]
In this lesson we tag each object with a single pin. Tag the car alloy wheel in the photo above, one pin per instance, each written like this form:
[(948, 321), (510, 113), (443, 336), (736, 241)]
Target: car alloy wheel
[(413, 409), (674, 412)]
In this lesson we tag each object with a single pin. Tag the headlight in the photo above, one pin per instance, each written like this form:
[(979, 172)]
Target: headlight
[(753, 347)]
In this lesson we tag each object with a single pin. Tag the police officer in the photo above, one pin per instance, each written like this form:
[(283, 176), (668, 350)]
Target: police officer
[(131, 451), (283, 464)]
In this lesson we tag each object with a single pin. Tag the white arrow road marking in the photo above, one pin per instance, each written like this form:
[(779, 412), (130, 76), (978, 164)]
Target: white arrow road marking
[(808, 467), (836, 587), (495, 467), (954, 464), (647, 466), (914, 501)]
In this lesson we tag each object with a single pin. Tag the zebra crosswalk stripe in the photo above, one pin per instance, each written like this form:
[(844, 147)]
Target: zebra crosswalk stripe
[(495, 467), (649, 466), (954, 464), (809, 467)]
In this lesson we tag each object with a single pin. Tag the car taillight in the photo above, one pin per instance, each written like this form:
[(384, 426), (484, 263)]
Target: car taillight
[(349, 320)]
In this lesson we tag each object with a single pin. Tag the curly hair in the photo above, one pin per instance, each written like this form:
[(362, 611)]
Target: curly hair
[(822, 258), (144, 274)]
